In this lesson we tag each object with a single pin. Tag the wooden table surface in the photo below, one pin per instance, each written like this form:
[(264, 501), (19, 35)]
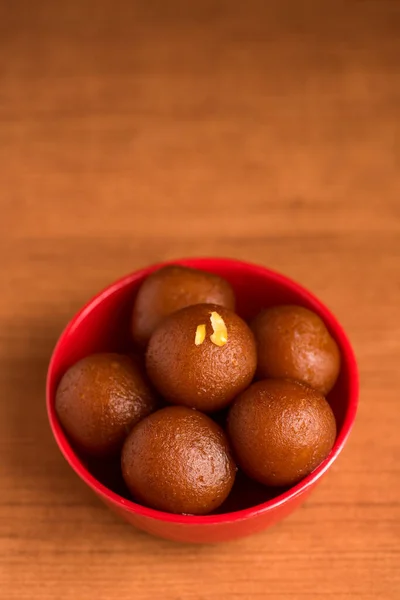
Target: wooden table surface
[(132, 132)]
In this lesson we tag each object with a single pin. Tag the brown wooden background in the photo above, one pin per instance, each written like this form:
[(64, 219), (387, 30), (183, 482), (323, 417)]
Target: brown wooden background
[(132, 132)]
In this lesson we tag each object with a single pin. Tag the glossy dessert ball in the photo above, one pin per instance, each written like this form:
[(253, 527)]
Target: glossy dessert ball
[(293, 342), (99, 399), (171, 288), (202, 357), (178, 460), (280, 431)]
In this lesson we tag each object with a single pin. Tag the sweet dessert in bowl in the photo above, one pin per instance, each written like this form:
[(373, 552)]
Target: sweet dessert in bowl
[(210, 435)]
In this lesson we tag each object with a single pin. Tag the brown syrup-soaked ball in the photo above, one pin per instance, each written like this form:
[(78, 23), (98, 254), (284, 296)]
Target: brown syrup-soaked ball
[(280, 431), (171, 288), (202, 357), (100, 398), (293, 342), (178, 460)]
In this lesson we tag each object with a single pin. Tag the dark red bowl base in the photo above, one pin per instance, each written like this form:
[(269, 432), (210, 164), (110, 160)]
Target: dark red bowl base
[(103, 325)]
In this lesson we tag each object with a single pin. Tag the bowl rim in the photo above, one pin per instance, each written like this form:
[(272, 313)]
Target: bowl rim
[(309, 481)]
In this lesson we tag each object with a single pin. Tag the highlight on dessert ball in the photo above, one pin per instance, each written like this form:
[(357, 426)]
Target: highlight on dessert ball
[(199, 394)]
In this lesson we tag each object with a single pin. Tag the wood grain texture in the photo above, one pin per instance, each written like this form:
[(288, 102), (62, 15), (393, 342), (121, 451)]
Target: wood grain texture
[(132, 132)]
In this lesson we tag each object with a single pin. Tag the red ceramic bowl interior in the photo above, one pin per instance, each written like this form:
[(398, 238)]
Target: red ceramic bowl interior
[(103, 325)]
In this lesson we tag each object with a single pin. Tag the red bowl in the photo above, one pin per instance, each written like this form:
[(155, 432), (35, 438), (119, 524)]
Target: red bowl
[(102, 325)]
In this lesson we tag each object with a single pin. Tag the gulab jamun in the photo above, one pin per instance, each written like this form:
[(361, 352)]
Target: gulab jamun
[(293, 342), (280, 431), (100, 398), (202, 357), (171, 288), (178, 460)]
